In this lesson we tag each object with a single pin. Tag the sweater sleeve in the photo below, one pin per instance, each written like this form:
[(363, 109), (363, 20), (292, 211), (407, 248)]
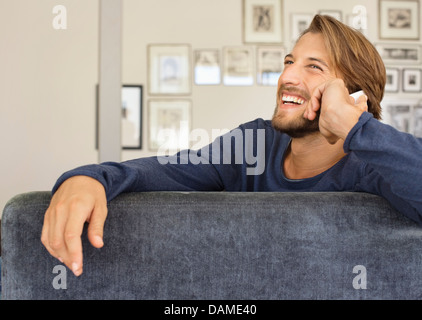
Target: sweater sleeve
[(393, 162), (222, 165), (161, 173)]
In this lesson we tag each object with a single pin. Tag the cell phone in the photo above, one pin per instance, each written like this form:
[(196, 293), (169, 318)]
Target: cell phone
[(357, 94)]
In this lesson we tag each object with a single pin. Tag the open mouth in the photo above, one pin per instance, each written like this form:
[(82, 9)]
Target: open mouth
[(290, 99)]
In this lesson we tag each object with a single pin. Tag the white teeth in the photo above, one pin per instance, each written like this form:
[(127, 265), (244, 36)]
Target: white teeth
[(287, 98)]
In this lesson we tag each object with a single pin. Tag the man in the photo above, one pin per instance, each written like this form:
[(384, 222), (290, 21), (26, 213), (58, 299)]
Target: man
[(320, 139)]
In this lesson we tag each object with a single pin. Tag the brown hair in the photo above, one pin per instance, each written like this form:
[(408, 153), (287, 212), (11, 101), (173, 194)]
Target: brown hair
[(354, 56)]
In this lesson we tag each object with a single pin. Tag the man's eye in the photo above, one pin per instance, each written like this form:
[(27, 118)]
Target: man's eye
[(288, 62), (314, 66)]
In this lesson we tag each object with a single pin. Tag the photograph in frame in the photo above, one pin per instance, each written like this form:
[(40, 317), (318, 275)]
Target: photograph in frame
[(263, 21), (399, 19), (169, 69), (132, 117), (270, 63), (412, 81), (131, 121), (238, 66), (400, 116), (300, 21), (207, 67), (399, 113), (169, 125), (393, 80), (398, 53), (417, 120)]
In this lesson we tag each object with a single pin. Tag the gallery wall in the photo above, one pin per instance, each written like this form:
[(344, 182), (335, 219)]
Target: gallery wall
[(49, 76)]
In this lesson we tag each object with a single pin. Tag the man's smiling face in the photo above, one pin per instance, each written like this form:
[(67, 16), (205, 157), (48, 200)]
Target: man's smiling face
[(306, 67)]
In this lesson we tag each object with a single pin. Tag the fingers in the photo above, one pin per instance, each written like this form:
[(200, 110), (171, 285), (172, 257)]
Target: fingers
[(96, 225), (312, 108), (317, 96), (44, 235), (315, 103), (61, 234), (72, 249), (338, 110), (77, 201), (362, 102)]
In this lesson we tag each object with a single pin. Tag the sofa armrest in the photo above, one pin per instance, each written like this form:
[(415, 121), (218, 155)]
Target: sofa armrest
[(222, 245)]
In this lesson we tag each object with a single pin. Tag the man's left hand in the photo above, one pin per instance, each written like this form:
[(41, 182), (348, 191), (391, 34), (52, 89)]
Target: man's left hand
[(339, 111)]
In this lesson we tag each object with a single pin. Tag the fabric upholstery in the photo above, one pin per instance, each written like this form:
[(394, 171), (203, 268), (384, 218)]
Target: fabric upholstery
[(223, 245)]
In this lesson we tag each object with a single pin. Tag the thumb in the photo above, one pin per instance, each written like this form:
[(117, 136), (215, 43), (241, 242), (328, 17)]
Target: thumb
[(96, 225), (361, 102)]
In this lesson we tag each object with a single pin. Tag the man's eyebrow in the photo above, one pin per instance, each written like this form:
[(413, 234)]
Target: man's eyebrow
[(319, 60), (310, 58)]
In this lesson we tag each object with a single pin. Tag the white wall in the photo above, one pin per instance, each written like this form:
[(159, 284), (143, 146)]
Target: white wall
[(47, 80), (48, 76)]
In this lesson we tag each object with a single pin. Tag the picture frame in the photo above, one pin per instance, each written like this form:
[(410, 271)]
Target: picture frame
[(263, 21), (169, 125), (417, 120), (412, 80), (132, 114), (238, 66), (336, 14), (169, 69), (393, 80), (398, 53), (399, 19), (207, 67), (299, 23), (402, 113), (270, 64)]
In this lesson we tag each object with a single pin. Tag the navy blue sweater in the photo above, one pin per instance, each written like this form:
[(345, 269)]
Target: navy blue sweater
[(379, 160)]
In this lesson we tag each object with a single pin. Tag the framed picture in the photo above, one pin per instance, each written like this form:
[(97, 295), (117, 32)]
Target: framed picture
[(400, 113), (417, 120), (300, 22), (238, 66), (262, 21), (336, 14), (270, 65), (412, 80), (132, 117), (399, 19), (207, 70), (393, 79), (169, 125), (131, 125), (399, 53), (169, 69)]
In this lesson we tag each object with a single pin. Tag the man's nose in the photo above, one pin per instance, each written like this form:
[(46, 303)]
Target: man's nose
[(290, 76)]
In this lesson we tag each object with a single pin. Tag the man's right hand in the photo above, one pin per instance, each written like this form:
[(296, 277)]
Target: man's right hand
[(78, 200)]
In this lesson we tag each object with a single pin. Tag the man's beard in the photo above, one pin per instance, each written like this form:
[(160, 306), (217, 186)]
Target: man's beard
[(295, 128)]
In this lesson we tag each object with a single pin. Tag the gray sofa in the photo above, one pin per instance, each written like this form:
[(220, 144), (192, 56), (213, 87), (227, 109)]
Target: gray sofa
[(221, 245)]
